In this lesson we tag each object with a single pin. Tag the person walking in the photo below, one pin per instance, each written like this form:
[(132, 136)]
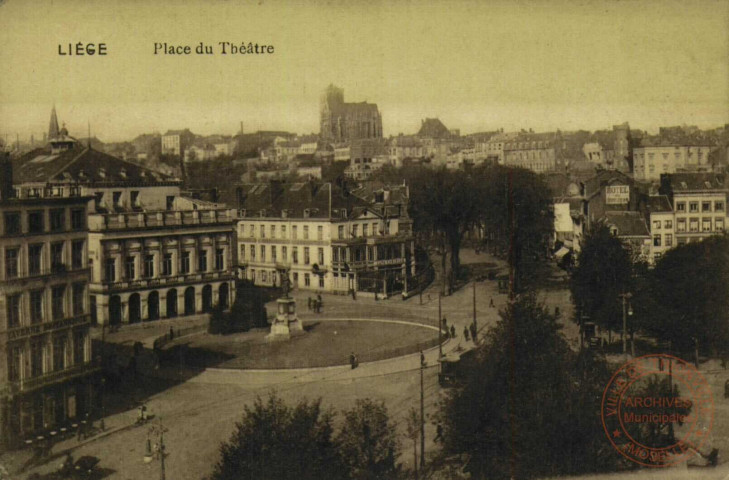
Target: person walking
[(474, 332), (465, 333), (309, 304), (352, 360), (491, 303), (445, 324), (438, 433), (422, 359), (453, 331)]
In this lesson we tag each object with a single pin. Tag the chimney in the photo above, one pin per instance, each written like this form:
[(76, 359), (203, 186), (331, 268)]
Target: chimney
[(6, 177)]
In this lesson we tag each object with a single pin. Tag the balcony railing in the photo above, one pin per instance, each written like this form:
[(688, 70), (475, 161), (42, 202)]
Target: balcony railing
[(167, 280), (28, 384), (38, 328), (127, 220)]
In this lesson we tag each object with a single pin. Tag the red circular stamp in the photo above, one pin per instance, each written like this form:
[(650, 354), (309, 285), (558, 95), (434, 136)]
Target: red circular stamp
[(657, 410)]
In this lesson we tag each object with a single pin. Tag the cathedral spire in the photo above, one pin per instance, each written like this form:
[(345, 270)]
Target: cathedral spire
[(53, 127)]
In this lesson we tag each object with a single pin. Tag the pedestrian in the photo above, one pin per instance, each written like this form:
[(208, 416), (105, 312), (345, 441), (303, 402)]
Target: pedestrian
[(352, 360), (309, 304), (318, 299), (453, 331), (439, 433), (445, 323), (156, 450), (473, 332), (491, 303), (465, 333), (422, 359), (172, 333)]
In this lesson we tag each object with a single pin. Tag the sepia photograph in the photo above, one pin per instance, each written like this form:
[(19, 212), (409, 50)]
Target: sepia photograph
[(347, 240)]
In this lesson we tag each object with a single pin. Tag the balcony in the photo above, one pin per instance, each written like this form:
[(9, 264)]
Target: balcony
[(159, 219), (168, 280), (38, 328), (52, 378)]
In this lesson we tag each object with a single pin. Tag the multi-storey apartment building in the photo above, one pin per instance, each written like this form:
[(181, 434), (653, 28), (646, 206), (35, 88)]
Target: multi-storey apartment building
[(537, 156), (660, 217), (153, 253), (653, 159), (176, 142), (699, 202), (326, 238), (46, 360)]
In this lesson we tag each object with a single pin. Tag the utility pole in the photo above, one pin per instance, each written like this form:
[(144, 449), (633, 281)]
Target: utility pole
[(625, 297), (474, 306), (440, 330), (422, 416)]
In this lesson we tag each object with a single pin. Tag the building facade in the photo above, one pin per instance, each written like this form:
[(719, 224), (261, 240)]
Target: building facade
[(46, 366), (652, 161), (343, 122), (537, 156), (176, 142)]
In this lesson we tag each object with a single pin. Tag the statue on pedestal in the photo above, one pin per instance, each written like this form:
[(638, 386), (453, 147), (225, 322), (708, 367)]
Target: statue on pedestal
[(286, 323)]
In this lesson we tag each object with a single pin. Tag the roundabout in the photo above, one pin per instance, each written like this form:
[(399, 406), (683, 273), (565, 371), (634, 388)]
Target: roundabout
[(327, 343)]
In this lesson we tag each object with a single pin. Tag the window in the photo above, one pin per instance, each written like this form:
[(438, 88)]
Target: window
[(77, 254), (719, 223), (36, 359), (58, 219), (306, 255), (35, 222), (57, 257), (12, 223), (307, 280), (693, 206), (656, 224), (253, 253), (185, 267), (706, 224), (296, 279), (134, 198), (306, 232), (219, 259), (78, 298), (11, 262), (284, 253), (252, 231), (264, 276), (680, 206), (273, 231), (167, 264), (340, 231), (335, 254), (35, 255), (263, 231), (321, 282), (58, 310), (202, 261), (263, 253), (13, 310), (149, 266), (295, 255), (705, 206), (294, 232), (129, 269), (110, 269), (170, 202), (657, 240), (354, 231), (16, 354), (79, 347), (242, 252), (273, 253), (36, 306), (320, 232), (681, 225), (669, 240), (283, 231), (320, 256), (365, 230), (59, 352), (718, 206), (117, 198), (693, 224), (374, 229), (668, 224)]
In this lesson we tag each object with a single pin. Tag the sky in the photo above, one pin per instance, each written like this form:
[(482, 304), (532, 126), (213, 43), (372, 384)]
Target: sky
[(478, 66)]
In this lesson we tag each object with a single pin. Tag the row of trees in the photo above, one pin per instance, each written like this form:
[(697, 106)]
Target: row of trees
[(682, 300), (276, 441), (510, 207)]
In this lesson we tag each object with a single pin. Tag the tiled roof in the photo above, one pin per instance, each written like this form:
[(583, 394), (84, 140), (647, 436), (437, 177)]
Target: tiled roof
[(658, 203), (81, 164), (696, 181), (433, 128), (628, 224)]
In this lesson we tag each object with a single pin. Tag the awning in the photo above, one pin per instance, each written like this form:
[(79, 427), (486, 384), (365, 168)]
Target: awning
[(561, 253)]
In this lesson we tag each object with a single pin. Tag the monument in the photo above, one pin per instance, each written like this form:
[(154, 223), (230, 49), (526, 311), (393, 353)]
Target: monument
[(286, 324)]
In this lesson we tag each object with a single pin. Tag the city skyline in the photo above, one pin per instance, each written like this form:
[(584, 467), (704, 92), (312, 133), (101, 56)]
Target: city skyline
[(476, 67)]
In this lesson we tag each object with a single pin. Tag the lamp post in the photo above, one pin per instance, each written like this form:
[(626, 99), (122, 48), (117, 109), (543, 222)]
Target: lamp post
[(627, 310), (159, 430)]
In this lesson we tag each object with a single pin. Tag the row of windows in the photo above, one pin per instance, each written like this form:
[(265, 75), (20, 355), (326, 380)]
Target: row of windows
[(260, 254), (47, 356), (281, 231), (15, 305), (668, 240), (149, 268), (265, 276), (706, 224), (36, 221), (705, 206), (667, 224), (36, 265)]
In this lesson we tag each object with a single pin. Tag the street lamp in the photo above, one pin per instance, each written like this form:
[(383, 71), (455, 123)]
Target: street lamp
[(627, 311), (159, 430)]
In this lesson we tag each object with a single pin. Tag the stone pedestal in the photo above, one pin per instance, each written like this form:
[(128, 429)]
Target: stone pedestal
[(286, 324)]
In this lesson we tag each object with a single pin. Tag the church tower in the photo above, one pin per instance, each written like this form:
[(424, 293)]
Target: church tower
[(53, 127)]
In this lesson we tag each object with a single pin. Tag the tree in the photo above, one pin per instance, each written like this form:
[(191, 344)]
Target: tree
[(412, 432), (689, 307), (274, 441), (604, 272), (368, 442), (528, 407)]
